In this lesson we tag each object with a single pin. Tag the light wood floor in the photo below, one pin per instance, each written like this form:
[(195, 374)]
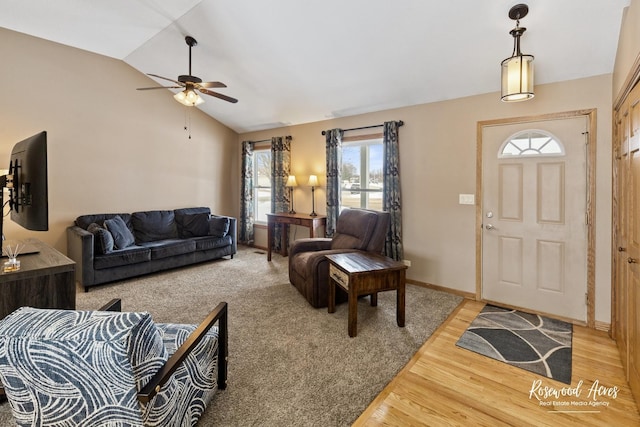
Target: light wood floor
[(444, 385)]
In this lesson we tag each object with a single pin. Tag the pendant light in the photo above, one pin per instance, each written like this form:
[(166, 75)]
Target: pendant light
[(517, 70)]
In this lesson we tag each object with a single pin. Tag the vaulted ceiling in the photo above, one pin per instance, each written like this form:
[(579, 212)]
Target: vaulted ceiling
[(293, 61)]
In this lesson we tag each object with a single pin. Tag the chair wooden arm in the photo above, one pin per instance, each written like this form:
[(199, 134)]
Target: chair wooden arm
[(162, 376), (113, 305)]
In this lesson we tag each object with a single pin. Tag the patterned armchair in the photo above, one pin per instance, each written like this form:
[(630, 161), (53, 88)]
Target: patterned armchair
[(108, 368)]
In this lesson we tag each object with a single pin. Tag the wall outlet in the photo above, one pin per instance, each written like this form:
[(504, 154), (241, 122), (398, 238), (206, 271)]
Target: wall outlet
[(407, 262), (467, 199)]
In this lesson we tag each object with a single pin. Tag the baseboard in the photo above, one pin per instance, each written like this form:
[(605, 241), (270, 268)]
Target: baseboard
[(603, 326), (468, 295)]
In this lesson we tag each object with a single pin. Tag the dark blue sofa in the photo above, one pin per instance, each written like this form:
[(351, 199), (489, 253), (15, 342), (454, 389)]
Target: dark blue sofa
[(110, 247)]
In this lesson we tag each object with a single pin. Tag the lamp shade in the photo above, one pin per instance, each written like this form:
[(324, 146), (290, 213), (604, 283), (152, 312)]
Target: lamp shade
[(313, 181), (517, 78), (517, 70), (188, 97), (291, 181)]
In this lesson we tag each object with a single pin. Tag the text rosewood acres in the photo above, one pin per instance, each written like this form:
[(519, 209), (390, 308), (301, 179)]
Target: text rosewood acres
[(596, 391)]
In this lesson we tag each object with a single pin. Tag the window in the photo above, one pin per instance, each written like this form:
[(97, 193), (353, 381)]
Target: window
[(531, 143), (262, 183), (362, 180)]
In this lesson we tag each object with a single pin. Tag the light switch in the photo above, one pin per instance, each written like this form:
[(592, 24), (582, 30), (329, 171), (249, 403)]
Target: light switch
[(467, 199)]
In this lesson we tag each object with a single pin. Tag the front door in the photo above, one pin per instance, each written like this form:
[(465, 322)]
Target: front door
[(534, 207)]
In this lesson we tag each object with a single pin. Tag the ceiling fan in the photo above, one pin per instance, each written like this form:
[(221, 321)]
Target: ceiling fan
[(191, 84)]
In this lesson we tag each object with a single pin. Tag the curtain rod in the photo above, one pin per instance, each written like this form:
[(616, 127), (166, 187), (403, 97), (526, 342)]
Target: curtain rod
[(400, 123), (269, 140)]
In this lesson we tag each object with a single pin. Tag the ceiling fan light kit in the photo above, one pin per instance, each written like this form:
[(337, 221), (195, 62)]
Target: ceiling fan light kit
[(192, 85), (517, 70), (188, 97)]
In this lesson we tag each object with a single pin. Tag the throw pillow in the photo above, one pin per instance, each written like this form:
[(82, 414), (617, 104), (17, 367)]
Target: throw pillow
[(218, 226), (103, 240), (150, 226), (122, 236), (195, 225)]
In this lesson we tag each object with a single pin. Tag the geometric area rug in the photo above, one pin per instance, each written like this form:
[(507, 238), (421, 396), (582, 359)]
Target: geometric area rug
[(529, 341)]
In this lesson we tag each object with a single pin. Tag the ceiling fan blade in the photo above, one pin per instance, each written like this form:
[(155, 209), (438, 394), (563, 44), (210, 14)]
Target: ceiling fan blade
[(165, 78), (159, 87), (219, 95), (212, 84)]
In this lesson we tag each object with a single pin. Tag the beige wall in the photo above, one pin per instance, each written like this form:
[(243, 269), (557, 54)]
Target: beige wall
[(628, 46), (110, 148), (438, 162)]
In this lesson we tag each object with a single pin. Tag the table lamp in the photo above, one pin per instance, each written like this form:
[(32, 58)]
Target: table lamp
[(313, 182), (291, 182)]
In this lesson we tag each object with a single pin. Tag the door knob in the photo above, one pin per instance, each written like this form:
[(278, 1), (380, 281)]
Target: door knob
[(489, 227), (621, 249), (632, 260)]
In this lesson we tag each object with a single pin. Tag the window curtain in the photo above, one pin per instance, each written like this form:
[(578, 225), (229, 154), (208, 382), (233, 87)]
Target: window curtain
[(280, 171), (334, 166), (245, 229), (391, 200)]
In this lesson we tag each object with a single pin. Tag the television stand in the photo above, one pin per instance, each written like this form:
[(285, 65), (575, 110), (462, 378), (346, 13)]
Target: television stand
[(46, 279)]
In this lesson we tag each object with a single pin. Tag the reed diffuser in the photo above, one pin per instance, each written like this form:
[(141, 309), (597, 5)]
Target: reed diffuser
[(11, 250)]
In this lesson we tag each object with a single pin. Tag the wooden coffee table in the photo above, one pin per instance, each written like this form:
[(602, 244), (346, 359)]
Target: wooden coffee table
[(365, 273)]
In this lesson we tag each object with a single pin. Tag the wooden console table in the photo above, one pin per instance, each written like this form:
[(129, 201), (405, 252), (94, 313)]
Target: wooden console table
[(46, 279), (365, 273), (286, 219)]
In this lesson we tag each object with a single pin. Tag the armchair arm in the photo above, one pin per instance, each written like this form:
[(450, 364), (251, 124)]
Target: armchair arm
[(162, 376), (113, 305), (310, 245), (80, 249)]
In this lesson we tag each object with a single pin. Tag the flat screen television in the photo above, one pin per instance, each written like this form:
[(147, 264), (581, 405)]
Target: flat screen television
[(27, 183)]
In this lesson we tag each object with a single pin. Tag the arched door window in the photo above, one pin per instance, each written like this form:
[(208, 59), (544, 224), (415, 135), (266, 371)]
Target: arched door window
[(531, 143)]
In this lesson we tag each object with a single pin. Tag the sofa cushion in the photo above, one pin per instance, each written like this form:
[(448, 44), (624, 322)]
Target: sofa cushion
[(353, 229), (103, 240), (218, 226), (130, 255), (149, 226), (168, 248), (122, 236), (212, 242), (195, 225), (181, 214)]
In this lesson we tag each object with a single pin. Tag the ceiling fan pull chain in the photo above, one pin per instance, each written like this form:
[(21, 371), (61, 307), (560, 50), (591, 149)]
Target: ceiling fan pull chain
[(187, 120)]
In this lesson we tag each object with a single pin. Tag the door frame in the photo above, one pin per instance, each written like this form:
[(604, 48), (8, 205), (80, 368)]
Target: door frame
[(590, 139)]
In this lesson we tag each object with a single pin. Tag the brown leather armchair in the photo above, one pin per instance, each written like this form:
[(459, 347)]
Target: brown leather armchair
[(356, 229)]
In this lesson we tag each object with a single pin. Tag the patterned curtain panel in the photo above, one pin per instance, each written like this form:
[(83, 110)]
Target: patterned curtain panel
[(334, 166), (280, 170), (391, 200), (245, 228)]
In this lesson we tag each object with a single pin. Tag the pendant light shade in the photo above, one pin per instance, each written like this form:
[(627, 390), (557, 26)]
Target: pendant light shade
[(517, 70)]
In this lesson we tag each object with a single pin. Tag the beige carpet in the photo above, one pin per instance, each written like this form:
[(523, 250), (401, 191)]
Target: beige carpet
[(289, 364)]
